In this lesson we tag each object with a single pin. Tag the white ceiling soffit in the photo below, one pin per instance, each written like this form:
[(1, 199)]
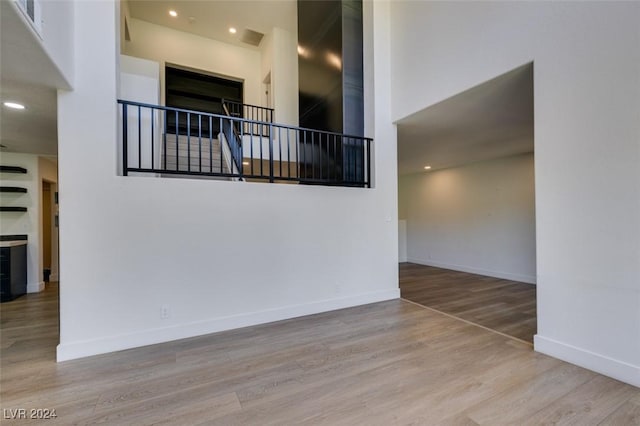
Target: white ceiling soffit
[(29, 77), (23, 56), (491, 120), (212, 19)]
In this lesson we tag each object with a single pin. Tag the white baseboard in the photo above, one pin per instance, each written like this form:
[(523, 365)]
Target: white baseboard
[(54, 277), (73, 350), (614, 368), (35, 287), (529, 279)]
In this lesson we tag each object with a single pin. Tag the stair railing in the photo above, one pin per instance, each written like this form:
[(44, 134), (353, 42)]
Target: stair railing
[(248, 111), (233, 140)]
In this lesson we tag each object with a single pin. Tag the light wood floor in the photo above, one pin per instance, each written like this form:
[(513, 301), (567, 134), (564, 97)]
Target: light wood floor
[(502, 305), (391, 363)]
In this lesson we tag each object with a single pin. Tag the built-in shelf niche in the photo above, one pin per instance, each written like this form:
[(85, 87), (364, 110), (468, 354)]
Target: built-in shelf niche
[(13, 189)]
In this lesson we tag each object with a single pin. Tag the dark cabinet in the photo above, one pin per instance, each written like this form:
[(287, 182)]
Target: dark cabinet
[(13, 271)]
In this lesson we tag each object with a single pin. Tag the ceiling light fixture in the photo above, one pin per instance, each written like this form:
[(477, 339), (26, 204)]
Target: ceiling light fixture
[(173, 13), (13, 105), (427, 167), (232, 30)]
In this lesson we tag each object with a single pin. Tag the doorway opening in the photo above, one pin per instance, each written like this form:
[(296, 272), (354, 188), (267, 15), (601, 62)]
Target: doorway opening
[(268, 99), (46, 230), (197, 91), (467, 236)]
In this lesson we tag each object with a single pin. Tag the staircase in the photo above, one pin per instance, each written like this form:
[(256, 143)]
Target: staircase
[(193, 155)]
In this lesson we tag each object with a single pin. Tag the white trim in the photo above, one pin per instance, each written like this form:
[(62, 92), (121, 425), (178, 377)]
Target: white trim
[(35, 287), (619, 370), (529, 279), (68, 351)]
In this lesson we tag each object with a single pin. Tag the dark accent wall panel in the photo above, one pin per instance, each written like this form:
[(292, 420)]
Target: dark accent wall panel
[(319, 64), (330, 73), (352, 68)]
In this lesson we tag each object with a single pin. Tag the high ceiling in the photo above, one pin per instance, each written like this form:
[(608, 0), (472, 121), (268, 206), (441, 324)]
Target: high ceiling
[(33, 130), (491, 120), (212, 19)]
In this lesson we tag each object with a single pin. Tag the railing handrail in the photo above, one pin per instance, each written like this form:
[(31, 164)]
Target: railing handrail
[(228, 101), (226, 117), (226, 110), (237, 140)]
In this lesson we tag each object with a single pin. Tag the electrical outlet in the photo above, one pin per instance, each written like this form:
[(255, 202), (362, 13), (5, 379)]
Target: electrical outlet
[(165, 312)]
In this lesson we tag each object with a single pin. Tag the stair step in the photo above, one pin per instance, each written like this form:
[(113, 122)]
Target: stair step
[(184, 160), (171, 139), (193, 153), (194, 144)]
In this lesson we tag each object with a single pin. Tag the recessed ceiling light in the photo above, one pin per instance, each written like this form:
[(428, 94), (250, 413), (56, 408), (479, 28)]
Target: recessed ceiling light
[(173, 13), (427, 167), (13, 105), (232, 30)]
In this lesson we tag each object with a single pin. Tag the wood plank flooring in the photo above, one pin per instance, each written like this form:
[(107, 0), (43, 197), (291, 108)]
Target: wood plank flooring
[(391, 363), (508, 307)]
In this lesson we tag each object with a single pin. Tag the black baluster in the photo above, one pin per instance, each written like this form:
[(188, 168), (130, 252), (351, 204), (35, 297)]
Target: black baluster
[(125, 141), (189, 141), (139, 137), (152, 138)]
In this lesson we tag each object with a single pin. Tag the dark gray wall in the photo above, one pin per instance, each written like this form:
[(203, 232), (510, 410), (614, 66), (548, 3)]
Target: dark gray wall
[(330, 66), (352, 73)]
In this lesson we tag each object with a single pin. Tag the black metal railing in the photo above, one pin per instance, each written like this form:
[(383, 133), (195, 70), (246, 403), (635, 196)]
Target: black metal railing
[(273, 153), (251, 113), (234, 142), (247, 111)]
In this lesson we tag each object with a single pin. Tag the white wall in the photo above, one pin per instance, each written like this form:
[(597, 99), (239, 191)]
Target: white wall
[(284, 77), (587, 103), (30, 222), (402, 240), (57, 34), (279, 56), (479, 218), (40, 51), (140, 82), (130, 245), (165, 45)]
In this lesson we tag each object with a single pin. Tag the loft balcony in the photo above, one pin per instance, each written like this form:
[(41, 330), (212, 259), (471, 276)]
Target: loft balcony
[(243, 144)]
